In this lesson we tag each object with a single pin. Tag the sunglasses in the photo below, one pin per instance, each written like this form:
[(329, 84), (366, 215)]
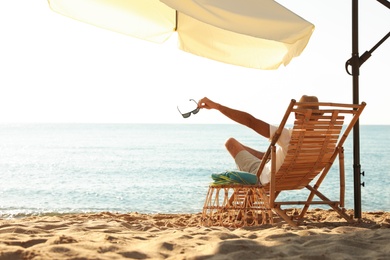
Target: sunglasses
[(186, 115)]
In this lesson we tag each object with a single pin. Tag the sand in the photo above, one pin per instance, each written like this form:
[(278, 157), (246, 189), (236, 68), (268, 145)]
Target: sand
[(179, 236)]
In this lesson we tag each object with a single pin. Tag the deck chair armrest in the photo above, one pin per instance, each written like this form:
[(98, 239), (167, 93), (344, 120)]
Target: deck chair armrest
[(276, 136)]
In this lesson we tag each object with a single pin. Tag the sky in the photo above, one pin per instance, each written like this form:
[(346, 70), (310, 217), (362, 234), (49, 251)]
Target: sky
[(57, 70)]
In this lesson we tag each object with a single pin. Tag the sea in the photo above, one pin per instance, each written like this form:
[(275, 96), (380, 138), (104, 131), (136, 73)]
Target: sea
[(151, 168)]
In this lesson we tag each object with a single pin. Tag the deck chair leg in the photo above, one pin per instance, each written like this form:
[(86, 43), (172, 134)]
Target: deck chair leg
[(336, 208), (285, 217), (306, 207)]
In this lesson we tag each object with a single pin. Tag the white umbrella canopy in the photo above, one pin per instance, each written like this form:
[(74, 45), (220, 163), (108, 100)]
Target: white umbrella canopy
[(258, 34), (146, 19)]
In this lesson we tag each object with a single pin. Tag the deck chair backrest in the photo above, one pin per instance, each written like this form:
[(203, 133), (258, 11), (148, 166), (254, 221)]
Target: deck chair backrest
[(313, 143)]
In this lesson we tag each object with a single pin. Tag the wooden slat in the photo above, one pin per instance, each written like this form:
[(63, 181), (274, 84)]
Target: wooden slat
[(305, 202), (312, 145)]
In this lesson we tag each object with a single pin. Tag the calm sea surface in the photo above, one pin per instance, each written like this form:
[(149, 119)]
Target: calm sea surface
[(148, 168)]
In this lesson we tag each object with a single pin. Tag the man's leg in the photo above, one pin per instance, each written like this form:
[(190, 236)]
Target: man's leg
[(234, 147)]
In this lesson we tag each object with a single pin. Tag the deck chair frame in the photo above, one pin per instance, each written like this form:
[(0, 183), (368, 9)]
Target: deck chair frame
[(317, 140)]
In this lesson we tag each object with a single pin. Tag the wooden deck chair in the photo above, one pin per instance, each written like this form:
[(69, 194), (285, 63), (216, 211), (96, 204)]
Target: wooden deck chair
[(317, 140)]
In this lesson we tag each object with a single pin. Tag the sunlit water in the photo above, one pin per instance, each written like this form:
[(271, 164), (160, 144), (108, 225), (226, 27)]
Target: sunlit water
[(62, 168)]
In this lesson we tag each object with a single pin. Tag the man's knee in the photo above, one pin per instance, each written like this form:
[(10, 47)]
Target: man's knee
[(233, 146), (231, 143)]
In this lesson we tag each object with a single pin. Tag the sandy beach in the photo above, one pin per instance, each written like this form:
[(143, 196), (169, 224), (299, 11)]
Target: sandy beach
[(179, 236)]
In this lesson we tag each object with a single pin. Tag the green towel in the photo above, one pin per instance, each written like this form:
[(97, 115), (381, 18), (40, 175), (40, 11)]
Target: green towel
[(234, 177)]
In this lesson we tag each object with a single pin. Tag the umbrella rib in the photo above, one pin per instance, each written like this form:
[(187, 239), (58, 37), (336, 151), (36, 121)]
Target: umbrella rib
[(385, 3), (176, 19)]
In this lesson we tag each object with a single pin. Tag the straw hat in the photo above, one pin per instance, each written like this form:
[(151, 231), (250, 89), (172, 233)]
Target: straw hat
[(306, 98)]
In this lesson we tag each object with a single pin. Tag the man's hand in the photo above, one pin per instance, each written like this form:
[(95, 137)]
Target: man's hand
[(207, 103)]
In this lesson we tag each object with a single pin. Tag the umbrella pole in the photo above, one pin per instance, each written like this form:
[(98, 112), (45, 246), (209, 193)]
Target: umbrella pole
[(355, 62), (355, 88)]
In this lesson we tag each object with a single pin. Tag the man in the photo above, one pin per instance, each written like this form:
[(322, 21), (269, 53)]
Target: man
[(246, 158)]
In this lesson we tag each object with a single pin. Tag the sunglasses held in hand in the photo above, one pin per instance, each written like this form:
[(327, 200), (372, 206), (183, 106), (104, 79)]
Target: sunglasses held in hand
[(186, 115)]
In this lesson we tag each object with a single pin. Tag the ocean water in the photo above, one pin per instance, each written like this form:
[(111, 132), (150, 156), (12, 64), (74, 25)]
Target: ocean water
[(148, 168)]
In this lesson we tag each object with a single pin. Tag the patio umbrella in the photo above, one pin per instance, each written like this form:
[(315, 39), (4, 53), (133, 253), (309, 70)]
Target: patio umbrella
[(258, 34)]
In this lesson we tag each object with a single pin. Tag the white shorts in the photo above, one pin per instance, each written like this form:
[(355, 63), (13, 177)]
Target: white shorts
[(247, 162)]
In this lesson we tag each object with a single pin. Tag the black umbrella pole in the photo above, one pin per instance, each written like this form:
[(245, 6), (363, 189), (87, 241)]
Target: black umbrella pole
[(356, 162), (356, 131)]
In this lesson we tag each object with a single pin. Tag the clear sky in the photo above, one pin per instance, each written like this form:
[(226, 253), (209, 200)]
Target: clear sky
[(55, 69)]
